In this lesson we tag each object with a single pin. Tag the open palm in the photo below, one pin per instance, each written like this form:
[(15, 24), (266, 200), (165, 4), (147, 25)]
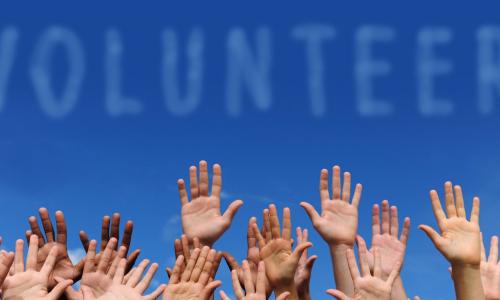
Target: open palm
[(201, 217), (253, 256), (192, 281), (281, 263), (490, 270), (338, 222), (368, 285), (385, 237), (460, 239), (26, 282), (63, 267)]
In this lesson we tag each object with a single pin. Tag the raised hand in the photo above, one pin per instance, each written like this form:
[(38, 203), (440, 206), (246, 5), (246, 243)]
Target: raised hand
[(490, 271), (192, 281), (111, 229), (276, 251), (63, 267), (97, 273), (459, 241), (6, 260), (253, 257), (385, 238), (30, 283), (304, 270), (253, 290), (201, 217), (366, 285), (185, 248), (107, 280), (338, 222)]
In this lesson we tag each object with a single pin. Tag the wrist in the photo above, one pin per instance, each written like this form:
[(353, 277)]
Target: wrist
[(303, 293), (340, 248), (462, 271), (287, 287)]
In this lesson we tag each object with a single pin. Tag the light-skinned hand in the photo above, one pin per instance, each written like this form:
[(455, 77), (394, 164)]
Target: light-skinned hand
[(304, 270), (64, 267), (201, 217), (338, 222), (459, 241), (107, 280), (193, 280), (253, 290), (110, 228), (6, 261), (385, 237), (366, 285), (490, 270), (253, 257), (26, 282), (276, 251)]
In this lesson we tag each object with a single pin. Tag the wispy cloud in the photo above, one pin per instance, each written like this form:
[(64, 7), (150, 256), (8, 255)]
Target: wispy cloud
[(76, 255), (171, 230)]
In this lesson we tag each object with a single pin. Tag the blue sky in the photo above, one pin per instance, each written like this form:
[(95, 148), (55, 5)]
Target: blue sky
[(89, 161)]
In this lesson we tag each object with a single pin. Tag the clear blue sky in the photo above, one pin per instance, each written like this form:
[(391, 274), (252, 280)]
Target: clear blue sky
[(87, 161)]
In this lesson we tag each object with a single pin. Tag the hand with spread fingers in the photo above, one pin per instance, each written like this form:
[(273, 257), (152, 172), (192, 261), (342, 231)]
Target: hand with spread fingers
[(185, 248), (201, 217), (459, 241), (193, 280), (253, 257), (276, 251), (97, 275), (392, 248), (111, 229), (366, 285), (26, 282), (107, 279), (6, 261), (304, 270), (338, 222), (253, 290), (490, 271), (64, 267)]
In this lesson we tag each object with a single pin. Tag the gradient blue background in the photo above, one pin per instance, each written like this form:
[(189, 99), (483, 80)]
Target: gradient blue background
[(89, 163)]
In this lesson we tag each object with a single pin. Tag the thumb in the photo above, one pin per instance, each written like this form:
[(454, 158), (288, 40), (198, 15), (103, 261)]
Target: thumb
[(210, 288), (231, 210), (310, 262), (311, 212), (59, 289), (156, 293), (71, 294), (283, 296), (299, 250), (223, 296), (337, 294), (431, 233)]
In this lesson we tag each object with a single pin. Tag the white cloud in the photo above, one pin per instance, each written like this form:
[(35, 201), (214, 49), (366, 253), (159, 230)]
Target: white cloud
[(76, 255), (172, 227)]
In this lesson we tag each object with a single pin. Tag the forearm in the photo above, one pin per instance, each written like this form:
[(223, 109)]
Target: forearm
[(304, 293), (343, 280), (398, 290), (467, 281), (291, 288)]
